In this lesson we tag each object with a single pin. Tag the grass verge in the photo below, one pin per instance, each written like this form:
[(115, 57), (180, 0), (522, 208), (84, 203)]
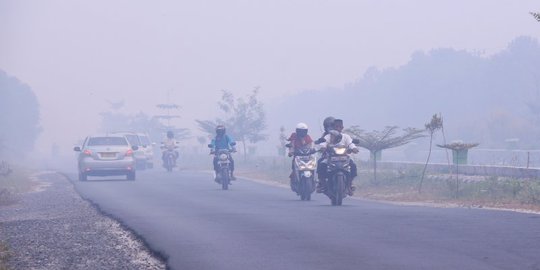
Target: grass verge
[(18, 181), (402, 186), (4, 256)]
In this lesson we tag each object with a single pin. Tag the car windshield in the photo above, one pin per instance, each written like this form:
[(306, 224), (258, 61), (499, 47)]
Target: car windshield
[(133, 139), (107, 141), (144, 140)]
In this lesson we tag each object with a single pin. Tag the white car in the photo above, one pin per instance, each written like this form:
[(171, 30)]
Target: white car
[(139, 154), (148, 148), (104, 155)]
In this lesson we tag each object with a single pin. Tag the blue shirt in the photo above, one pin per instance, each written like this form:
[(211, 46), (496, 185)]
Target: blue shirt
[(223, 142)]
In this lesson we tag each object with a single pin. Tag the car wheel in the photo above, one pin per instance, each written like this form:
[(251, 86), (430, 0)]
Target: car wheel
[(131, 176)]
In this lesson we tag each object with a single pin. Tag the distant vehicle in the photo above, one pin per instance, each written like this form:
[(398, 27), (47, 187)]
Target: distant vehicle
[(140, 154), (169, 158), (148, 149), (105, 155), (223, 157)]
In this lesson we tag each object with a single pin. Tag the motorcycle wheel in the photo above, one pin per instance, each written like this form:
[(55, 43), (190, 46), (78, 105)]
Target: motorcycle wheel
[(301, 189), (306, 185), (225, 175), (340, 189), (169, 164)]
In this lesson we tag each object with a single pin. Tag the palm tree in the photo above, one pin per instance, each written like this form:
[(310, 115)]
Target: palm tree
[(376, 141), (435, 124), (536, 15), (457, 147)]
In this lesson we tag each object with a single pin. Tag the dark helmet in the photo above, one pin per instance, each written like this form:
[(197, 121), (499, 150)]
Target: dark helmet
[(170, 134), (328, 123), (301, 130), (220, 130)]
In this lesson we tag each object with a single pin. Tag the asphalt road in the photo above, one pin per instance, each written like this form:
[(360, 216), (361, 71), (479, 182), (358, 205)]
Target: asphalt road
[(188, 218)]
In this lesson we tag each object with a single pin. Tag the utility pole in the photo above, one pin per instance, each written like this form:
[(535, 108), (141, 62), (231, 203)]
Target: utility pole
[(168, 106)]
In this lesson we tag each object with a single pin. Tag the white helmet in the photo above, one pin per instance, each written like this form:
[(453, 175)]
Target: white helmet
[(301, 130), (301, 126)]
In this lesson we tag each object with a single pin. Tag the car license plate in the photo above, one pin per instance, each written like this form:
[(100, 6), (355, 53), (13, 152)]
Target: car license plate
[(108, 155)]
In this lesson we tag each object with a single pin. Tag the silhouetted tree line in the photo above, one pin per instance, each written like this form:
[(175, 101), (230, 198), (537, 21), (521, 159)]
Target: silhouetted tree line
[(485, 98), (19, 117)]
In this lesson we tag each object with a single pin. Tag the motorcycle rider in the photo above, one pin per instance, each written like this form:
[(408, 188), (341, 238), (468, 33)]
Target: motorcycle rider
[(169, 144), (336, 136), (299, 140), (222, 141), (328, 124)]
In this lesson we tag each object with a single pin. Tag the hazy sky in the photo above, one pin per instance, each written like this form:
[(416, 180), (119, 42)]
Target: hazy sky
[(77, 54)]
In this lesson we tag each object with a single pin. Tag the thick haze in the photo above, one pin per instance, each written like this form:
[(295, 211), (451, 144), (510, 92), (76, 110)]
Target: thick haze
[(76, 55)]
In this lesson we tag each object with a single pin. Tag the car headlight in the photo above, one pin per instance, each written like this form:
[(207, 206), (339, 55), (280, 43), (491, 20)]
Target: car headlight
[(340, 150)]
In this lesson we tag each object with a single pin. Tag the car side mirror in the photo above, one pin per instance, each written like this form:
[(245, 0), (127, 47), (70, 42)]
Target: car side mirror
[(135, 147), (210, 146), (356, 141), (77, 149)]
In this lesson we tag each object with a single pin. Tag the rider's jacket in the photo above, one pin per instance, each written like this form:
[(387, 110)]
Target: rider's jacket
[(346, 140), (222, 142), (299, 143)]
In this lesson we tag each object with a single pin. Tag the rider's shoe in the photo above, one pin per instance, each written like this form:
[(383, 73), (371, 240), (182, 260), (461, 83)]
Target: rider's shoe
[(350, 190), (320, 187)]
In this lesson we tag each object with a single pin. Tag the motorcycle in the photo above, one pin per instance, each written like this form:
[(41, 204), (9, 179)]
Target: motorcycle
[(338, 172), (223, 176), (304, 165), (169, 158)]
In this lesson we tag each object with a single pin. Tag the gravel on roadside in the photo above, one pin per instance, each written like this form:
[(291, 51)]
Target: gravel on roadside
[(52, 227)]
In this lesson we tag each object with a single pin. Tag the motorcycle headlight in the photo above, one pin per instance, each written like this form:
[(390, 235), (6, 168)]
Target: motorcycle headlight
[(223, 157), (312, 164), (308, 165), (340, 150)]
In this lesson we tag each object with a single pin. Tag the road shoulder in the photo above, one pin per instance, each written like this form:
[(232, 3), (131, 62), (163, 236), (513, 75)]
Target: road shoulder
[(52, 227)]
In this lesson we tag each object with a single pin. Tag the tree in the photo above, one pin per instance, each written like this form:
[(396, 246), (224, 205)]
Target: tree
[(114, 121), (536, 15), (19, 117), (435, 124), (202, 141), (376, 141), (456, 147), (244, 119)]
